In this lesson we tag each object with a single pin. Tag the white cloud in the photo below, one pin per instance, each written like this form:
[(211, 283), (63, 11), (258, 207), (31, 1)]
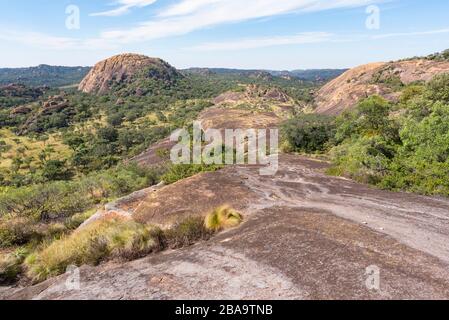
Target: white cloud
[(124, 7), (242, 44), (190, 15), (186, 7), (45, 41), (186, 16), (410, 34)]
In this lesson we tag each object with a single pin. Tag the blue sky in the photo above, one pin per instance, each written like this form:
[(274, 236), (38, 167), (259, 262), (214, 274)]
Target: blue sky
[(268, 34)]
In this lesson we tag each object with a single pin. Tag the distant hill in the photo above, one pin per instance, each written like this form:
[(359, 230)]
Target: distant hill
[(133, 73), (15, 94), (43, 75), (316, 75)]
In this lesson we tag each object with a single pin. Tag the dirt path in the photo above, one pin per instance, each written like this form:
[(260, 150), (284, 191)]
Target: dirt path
[(305, 236)]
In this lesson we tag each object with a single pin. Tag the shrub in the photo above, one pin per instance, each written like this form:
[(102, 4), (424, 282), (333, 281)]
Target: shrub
[(222, 218), (438, 88), (411, 92), (309, 133), (63, 199), (43, 202), (10, 267), (406, 150), (78, 219), (15, 232), (365, 159), (23, 231)]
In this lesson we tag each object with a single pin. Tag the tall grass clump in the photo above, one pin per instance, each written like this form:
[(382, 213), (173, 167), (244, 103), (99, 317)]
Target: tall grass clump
[(186, 233), (99, 241), (222, 218), (116, 238)]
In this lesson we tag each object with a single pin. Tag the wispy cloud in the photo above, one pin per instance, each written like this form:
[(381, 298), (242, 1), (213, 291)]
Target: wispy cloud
[(45, 41), (410, 34), (186, 16), (124, 7), (242, 44), (190, 15)]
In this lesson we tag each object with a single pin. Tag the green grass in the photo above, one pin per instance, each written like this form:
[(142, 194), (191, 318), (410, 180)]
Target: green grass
[(31, 148)]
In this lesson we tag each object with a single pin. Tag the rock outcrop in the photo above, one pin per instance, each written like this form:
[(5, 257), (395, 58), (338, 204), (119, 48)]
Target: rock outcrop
[(380, 78), (305, 236), (53, 104), (125, 69)]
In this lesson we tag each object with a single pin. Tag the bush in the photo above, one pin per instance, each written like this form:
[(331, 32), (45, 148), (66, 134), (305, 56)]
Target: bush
[(222, 218), (44, 202), (365, 159), (408, 153), (11, 266), (309, 133), (63, 199), (438, 88), (16, 232), (23, 231)]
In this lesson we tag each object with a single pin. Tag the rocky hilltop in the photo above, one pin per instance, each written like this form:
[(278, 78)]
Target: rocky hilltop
[(380, 78), (125, 69)]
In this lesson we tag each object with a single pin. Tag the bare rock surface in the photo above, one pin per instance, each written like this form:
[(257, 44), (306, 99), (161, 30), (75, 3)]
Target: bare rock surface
[(305, 236), (361, 82), (122, 69)]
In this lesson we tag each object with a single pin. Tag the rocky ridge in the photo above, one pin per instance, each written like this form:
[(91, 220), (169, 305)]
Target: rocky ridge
[(380, 78)]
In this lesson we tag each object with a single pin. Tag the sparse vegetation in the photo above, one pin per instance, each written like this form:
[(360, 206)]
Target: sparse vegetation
[(396, 146), (11, 265), (31, 214), (182, 171), (186, 233), (101, 240), (125, 240)]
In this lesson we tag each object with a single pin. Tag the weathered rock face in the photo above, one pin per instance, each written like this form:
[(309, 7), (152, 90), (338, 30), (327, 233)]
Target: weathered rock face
[(53, 104), (254, 92), (124, 68), (305, 236), (356, 84), (21, 110)]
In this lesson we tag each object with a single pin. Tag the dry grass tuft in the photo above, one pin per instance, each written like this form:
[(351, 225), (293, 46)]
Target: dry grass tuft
[(223, 218), (102, 240)]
